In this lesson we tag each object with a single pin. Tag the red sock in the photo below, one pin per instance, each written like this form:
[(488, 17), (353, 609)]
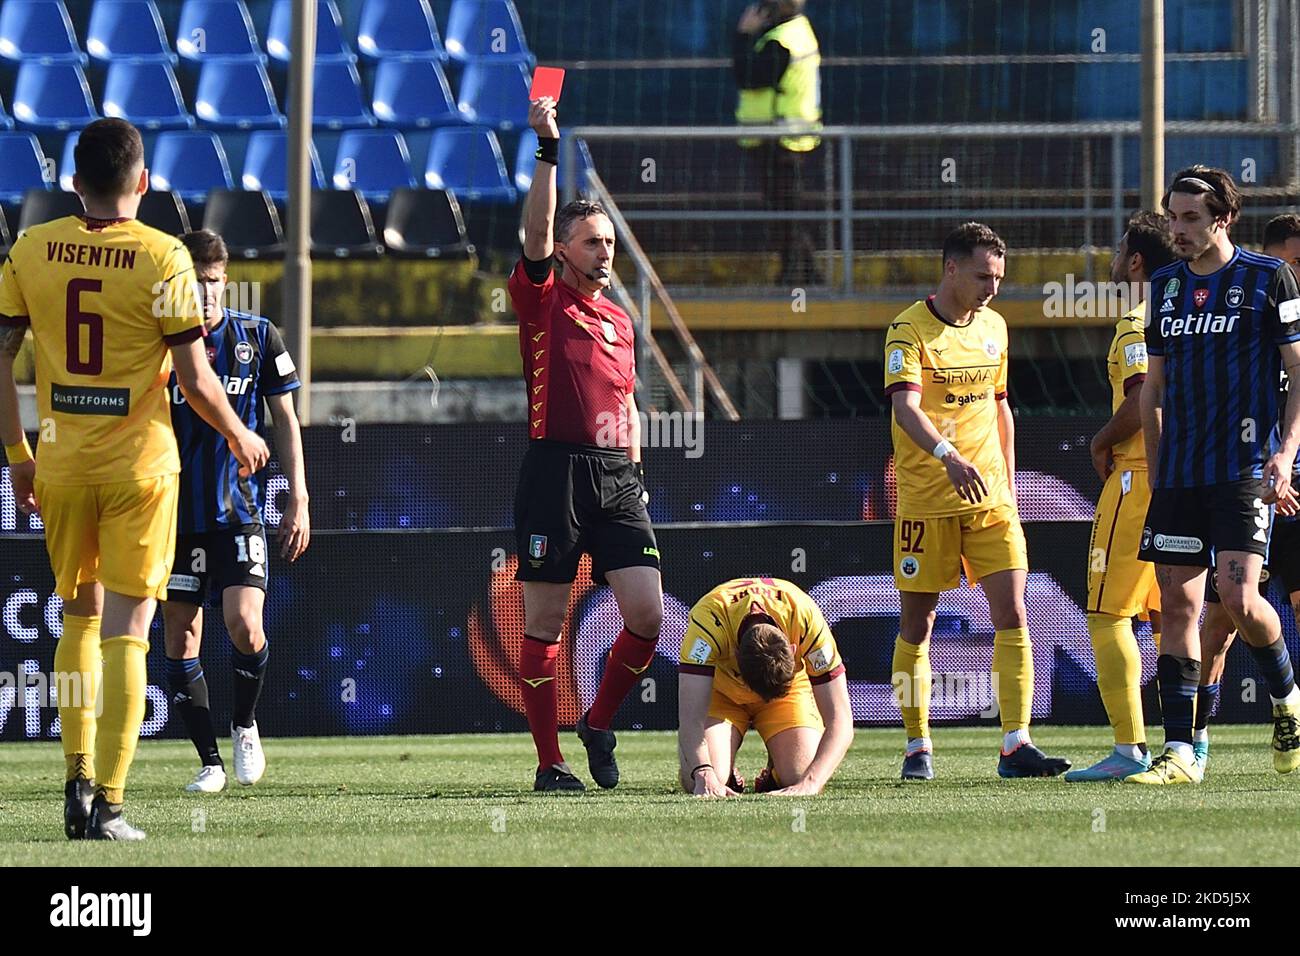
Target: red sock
[(628, 659), (537, 664)]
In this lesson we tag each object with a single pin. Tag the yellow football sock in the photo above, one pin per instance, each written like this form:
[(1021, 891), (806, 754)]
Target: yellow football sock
[(912, 680), (1119, 675), (76, 676), (125, 680), (1013, 672)]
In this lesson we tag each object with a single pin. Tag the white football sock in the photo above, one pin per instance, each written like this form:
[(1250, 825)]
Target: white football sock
[(1131, 751), (1014, 739), (1291, 698)]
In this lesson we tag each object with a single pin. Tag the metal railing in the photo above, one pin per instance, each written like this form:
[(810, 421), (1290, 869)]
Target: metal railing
[(650, 287), (1099, 206)]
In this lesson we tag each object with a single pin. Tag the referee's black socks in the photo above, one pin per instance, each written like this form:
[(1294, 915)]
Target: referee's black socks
[(189, 689), (250, 671)]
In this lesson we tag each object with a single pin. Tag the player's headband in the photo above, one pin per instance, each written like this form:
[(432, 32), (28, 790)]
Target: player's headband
[(1193, 181)]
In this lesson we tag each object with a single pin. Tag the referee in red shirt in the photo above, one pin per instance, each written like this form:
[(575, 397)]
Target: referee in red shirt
[(580, 486)]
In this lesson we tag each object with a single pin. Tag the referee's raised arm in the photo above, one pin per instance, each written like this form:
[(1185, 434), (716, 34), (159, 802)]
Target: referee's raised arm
[(539, 207)]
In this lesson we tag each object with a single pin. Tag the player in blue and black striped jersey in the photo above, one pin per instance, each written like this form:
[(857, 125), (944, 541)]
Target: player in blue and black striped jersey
[(1282, 241), (221, 542), (1221, 325)]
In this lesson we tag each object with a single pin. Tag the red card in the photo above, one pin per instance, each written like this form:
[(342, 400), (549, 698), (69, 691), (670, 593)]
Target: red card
[(547, 81)]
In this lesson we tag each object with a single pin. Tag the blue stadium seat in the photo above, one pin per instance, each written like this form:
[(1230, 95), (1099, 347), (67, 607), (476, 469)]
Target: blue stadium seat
[(52, 96), (31, 29), (525, 161), (69, 164), (485, 28), (127, 28), (266, 164), (413, 94), (216, 28), (398, 28), (467, 161), (22, 166), (374, 162), (189, 163), (337, 100), (495, 94), (147, 94), (329, 32), (236, 94), (6, 121)]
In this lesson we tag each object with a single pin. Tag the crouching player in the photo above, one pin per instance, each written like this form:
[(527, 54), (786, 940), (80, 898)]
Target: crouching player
[(220, 543), (757, 652)]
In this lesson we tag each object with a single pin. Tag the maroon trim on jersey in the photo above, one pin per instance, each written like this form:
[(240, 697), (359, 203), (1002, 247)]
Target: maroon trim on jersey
[(929, 304), (695, 669), (1137, 378), (95, 225), (15, 321), (181, 338), (901, 387), (827, 677), (998, 396)]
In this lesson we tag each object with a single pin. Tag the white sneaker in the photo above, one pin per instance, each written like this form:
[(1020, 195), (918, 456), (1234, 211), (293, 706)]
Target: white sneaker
[(209, 780), (250, 762)]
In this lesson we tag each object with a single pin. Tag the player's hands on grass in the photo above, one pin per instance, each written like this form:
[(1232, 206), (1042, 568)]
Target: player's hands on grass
[(965, 477), (295, 529), (1102, 461), (23, 479), (250, 451), (708, 784), (1277, 475), (541, 117), (804, 788)]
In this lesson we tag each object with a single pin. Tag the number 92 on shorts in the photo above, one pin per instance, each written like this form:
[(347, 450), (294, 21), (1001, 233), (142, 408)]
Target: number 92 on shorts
[(931, 553)]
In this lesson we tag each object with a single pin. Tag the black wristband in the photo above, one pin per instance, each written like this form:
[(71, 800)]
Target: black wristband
[(699, 768), (548, 150)]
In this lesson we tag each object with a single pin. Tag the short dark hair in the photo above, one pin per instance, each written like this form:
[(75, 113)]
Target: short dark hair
[(1281, 228), (1149, 235), (969, 236), (106, 155), (1222, 198), (206, 247), (571, 212), (765, 660)]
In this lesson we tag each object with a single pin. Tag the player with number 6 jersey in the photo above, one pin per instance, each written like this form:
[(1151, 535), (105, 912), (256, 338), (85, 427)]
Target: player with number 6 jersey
[(954, 457), (106, 298)]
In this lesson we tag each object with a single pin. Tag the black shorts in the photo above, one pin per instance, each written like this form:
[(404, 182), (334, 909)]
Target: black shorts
[(1188, 526), (216, 560), (1283, 561), (580, 498)]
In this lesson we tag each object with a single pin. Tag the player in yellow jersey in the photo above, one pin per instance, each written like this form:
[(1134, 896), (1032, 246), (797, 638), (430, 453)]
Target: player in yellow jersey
[(757, 652), (111, 304), (1119, 585), (954, 457)]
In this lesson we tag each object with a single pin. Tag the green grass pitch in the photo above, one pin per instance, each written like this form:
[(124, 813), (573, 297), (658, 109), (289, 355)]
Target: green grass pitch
[(465, 800)]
